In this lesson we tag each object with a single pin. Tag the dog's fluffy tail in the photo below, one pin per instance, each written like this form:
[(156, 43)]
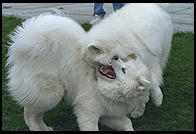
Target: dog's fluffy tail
[(38, 47), (43, 36)]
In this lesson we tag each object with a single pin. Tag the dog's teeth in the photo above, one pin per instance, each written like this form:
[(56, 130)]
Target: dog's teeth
[(109, 76), (101, 68)]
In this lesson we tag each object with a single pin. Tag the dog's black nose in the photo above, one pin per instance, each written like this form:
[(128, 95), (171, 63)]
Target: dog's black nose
[(115, 57)]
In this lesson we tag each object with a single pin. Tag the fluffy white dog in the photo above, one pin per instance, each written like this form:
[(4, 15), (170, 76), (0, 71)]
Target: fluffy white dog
[(106, 73)]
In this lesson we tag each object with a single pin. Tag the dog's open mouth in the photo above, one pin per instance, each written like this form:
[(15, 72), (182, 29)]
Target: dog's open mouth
[(107, 71)]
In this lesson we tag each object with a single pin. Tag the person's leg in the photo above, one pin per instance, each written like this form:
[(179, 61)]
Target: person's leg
[(117, 6), (98, 13), (98, 10)]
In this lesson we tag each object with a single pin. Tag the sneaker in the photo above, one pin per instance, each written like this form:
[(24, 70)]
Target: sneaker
[(95, 19)]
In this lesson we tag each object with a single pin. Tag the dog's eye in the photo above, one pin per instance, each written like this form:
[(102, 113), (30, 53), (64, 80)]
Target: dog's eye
[(115, 57), (123, 70)]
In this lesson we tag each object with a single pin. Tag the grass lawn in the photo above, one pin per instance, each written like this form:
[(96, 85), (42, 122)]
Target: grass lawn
[(175, 114)]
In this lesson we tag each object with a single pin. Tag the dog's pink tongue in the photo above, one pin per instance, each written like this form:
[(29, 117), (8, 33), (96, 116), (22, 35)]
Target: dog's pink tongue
[(107, 71)]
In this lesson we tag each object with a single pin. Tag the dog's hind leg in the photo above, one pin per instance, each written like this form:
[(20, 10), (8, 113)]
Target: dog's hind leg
[(41, 123), (34, 120), (30, 119), (33, 113)]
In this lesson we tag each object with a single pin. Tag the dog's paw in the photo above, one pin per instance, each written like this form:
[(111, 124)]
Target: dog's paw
[(50, 129), (129, 129), (137, 114), (157, 98)]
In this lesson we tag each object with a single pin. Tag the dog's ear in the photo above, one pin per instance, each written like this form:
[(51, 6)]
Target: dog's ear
[(94, 49)]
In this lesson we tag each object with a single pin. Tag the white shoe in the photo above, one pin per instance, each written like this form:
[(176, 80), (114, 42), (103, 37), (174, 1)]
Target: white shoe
[(95, 19)]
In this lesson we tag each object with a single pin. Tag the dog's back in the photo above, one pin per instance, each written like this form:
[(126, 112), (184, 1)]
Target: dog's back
[(148, 22)]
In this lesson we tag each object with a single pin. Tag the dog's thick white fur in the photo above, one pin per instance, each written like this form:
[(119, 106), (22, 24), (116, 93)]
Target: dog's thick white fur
[(106, 73)]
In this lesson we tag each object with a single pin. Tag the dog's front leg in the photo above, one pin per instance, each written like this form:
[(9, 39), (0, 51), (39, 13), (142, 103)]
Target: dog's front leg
[(86, 118), (156, 79)]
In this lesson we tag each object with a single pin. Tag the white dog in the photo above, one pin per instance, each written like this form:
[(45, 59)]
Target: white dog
[(106, 73)]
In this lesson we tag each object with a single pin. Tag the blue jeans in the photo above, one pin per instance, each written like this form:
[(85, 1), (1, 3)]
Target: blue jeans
[(98, 8)]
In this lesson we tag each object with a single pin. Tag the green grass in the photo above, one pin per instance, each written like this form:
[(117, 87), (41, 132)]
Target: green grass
[(175, 114), (7, 7)]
